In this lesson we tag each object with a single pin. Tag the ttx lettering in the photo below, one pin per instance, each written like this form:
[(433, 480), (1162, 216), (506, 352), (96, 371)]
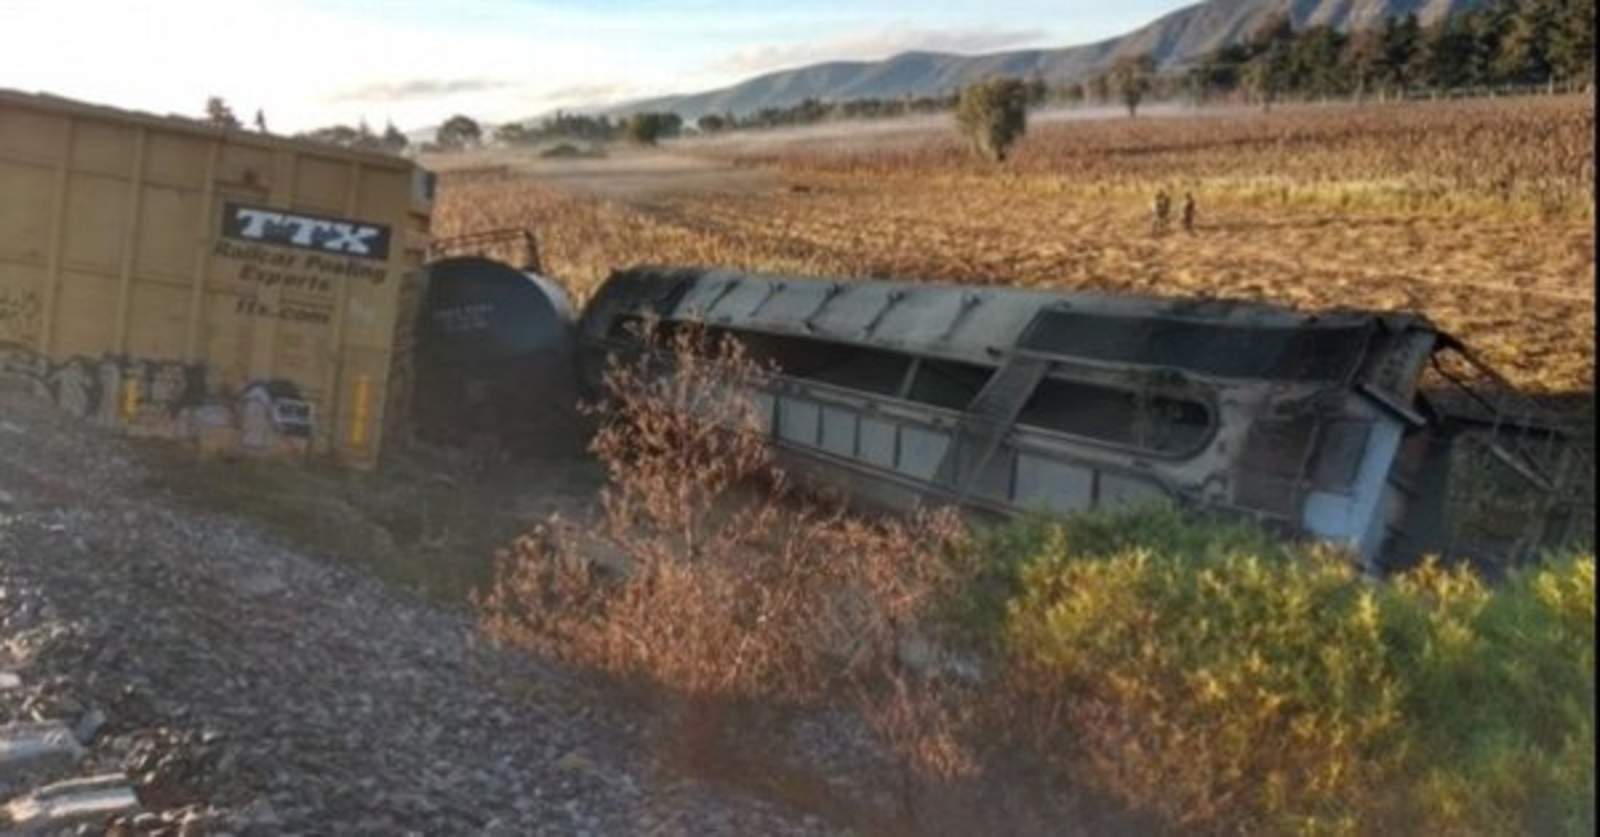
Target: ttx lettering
[(333, 236)]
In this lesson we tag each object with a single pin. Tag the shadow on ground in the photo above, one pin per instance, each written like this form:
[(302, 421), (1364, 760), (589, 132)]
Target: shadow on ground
[(428, 519)]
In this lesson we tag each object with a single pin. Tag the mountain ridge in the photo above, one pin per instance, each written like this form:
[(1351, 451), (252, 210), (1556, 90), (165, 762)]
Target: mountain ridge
[(1172, 39)]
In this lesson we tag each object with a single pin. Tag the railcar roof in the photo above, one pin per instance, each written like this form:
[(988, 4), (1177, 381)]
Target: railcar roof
[(195, 127), (981, 323)]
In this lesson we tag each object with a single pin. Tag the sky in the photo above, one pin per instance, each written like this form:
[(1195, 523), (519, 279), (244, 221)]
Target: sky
[(309, 64)]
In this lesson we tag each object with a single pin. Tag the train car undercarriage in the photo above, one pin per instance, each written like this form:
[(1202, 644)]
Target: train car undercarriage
[(1347, 426)]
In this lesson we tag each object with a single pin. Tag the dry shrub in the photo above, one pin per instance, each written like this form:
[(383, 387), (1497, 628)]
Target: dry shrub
[(710, 575), (692, 577), (1201, 673), (927, 727), (901, 679), (675, 444)]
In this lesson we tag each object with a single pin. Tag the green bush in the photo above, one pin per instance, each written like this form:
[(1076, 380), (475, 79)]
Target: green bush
[(1500, 696), (1227, 682)]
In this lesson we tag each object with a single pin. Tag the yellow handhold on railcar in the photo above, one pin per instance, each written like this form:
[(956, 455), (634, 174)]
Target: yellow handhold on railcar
[(358, 423), (130, 399)]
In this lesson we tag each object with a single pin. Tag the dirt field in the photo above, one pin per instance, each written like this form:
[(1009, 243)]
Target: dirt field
[(623, 174), (1476, 213)]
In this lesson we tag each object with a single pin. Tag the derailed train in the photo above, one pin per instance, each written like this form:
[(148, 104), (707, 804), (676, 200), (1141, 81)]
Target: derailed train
[(1004, 401), (260, 296)]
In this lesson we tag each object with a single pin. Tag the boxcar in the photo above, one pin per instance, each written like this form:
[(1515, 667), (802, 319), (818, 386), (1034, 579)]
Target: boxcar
[(174, 278)]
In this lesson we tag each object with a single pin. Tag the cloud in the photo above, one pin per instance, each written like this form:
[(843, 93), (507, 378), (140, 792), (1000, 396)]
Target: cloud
[(880, 44), (588, 93), (490, 59), (422, 88)]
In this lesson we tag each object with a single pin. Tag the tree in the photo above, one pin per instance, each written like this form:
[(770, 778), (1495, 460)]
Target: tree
[(649, 127), (711, 123), (993, 115), (393, 140), (1099, 88), (368, 139), (1572, 41), (1524, 54), (1447, 50), (218, 113), (575, 126), (1400, 39), (340, 135), (514, 134), (1198, 81), (1038, 91), (1488, 26), (459, 132), (1527, 41), (1256, 78), (360, 137), (1278, 28), (261, 121), (1131, 75), (1315, 61), (1266, 74), (1364, 57), (672, 124), (1218, 72)]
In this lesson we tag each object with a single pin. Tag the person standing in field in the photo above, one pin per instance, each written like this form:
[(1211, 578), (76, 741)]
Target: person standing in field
[(1188, 212), (1160, 210)]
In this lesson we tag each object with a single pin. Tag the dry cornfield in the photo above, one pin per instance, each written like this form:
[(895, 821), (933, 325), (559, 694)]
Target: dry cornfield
[(1476, 213)]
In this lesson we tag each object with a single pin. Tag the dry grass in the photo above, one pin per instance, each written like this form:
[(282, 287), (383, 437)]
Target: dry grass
[(1200, 674), (1479, 214), (716, 582)]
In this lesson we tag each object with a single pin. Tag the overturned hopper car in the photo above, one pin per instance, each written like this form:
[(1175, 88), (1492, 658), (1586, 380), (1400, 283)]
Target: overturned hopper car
[(1005, 400)]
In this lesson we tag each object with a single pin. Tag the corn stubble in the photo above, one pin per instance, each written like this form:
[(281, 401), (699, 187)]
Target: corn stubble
[(1478, 214)]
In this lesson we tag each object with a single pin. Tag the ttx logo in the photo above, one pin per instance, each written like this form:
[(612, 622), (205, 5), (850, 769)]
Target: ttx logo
[(309, 232)]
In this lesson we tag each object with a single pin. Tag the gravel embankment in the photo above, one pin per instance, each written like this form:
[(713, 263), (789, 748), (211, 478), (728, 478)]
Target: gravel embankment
[(246, 688)]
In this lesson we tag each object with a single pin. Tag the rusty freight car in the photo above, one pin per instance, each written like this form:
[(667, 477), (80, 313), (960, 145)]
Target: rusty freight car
[(1004, 400), (178, 279)]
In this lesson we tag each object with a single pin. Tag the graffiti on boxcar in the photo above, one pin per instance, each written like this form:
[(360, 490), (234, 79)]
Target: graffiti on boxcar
[(271, 414), (165, 398), (107, 389), (19, 315), (23, 368)]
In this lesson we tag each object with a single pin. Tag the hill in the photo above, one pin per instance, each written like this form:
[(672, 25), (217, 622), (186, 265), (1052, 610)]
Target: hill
[(1172, 39)]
